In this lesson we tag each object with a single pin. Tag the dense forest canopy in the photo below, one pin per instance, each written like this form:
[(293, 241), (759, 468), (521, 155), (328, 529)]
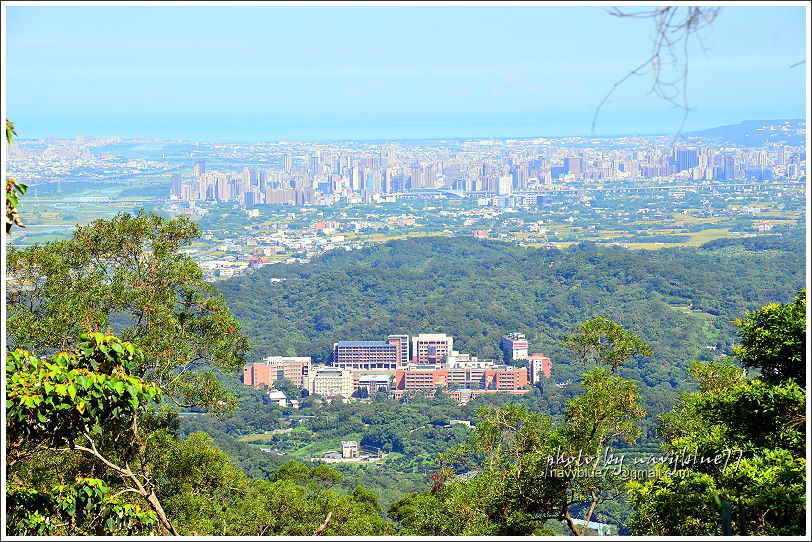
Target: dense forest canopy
[(682, 301)]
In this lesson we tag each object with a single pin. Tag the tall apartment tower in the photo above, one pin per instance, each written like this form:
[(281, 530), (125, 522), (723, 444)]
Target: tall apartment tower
[(504, 186), (431, 347), (686, 159), (199, 168), (402, 341), (177, 187), (515, 345), (538, 367), (574, 166), (315, 163)]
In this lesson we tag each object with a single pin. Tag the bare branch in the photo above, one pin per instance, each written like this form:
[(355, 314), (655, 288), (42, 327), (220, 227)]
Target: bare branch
[(674, 26), (139, 489), (323, 526)]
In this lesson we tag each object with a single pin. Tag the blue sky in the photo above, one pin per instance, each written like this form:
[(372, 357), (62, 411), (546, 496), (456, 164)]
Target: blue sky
[(315, 72)]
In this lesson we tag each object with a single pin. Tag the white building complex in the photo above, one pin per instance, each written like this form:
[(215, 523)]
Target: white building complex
[(331, 382)]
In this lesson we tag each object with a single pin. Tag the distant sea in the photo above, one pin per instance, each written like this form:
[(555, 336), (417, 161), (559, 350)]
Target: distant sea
[(268, 127)]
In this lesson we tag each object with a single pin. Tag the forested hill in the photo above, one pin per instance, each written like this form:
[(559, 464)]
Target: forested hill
[(682, 301)]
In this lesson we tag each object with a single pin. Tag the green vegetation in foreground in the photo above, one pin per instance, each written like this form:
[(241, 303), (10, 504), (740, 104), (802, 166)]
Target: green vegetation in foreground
[(96, 445)]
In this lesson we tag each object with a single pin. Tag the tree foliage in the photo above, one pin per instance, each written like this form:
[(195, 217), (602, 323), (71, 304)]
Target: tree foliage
[(601, 341), (82, 508), (520, 470), (13, 189), (50, 402), (127, 273), (84, 416), (774, 340), (85, 402), (758, 421)]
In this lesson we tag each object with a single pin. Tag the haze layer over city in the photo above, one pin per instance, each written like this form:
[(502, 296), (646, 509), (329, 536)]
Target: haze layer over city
[(390, 269)]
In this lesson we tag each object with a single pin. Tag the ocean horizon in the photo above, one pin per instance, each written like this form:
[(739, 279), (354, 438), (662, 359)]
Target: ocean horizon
[(270, 127)]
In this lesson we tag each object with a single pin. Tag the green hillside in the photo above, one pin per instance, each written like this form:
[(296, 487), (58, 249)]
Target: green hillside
[(680, 300)]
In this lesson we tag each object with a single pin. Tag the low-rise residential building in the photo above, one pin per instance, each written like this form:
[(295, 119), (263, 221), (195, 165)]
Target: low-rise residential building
[(350, 449), (277, 398)]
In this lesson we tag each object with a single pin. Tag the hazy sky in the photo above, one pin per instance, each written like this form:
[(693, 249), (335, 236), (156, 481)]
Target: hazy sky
[(469, 68)]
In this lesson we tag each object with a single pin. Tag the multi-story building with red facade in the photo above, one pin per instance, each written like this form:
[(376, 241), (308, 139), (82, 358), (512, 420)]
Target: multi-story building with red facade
[(273, 368), (538, 367), (492, 378)]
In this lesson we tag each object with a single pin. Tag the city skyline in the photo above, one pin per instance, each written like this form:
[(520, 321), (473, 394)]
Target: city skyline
[(311, 72)]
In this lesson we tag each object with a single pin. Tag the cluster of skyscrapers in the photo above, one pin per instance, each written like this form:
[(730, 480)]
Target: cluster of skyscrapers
[(330, 175), (401, 364)]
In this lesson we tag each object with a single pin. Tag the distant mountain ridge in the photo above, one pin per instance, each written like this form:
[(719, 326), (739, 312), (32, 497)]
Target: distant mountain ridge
[(756, 133)]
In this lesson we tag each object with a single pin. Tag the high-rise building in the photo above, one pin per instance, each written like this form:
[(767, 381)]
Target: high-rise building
[(199, 168), (573, 166), (331, 382), (504, 186), (371, 355), (355, 179), (418, 178), (686, 159), (538, 366), (222, 188), (431, 347), (520, 176), (177, 189), (315, 164), (515, 345)]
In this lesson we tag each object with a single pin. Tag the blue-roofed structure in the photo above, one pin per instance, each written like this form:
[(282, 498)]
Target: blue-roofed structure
[(371, 355)]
